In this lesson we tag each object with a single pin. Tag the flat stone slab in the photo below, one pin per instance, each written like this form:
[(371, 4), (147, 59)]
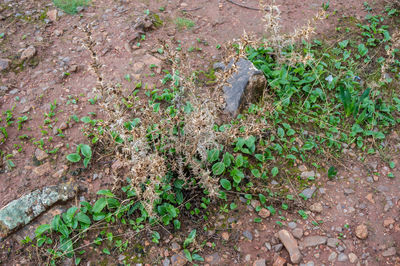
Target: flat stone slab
[(23, 210)]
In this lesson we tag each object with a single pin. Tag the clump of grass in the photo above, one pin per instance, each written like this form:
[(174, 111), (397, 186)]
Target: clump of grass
[(184, 23), (70, 6)]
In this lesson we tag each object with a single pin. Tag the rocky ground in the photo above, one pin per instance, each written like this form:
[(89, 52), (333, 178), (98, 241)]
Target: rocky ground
[(46, 76)]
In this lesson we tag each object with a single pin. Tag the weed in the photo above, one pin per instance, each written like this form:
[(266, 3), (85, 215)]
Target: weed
[(184, 23), (85, 150), (70, 6)]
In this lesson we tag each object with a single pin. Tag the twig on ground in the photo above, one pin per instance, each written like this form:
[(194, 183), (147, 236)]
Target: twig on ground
[(194, 9), (244, 6)]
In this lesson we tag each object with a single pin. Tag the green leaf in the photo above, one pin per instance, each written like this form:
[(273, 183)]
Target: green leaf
[(86, 119), (86, 162), (73, 157), (63, 229), (66, 246), (212, 155), (362, 50), (113, 203), (256, 173), (187, 255), (239, 160), (343, 44), (280, 132), (226, 184), (332, 172), (106, 251), (99, 205), (106, 192), (177, 224), (237, 175), (190, 238), (392, 164), (260, 157), (218, 168), (75, 118), (262, 198), (227, 159), (308, 146), (86, 151), (156, 107), (42, 229), (83, 218), (274, 171), (197, 257)]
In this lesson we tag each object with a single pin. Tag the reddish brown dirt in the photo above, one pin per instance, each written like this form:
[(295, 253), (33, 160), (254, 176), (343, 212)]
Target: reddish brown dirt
[(39, 82)]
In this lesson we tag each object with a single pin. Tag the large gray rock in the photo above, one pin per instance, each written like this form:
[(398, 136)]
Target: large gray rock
[(23, 210), (246, 85)]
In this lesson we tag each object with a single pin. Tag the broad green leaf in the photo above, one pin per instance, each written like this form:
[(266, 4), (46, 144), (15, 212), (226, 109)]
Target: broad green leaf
[(218, 168), (73, 157), (226, 184), (239, 160), (99, 205), (190, 238), (86, 151), (308, 146), (274, 171), (105, 192), (212, 155), (42, 229), (262, 198), (260, 157), (86, 119), (237, 175), (86, 162), (256, 173), (227, 159), (187, 255), (83, 218), (197, 257)]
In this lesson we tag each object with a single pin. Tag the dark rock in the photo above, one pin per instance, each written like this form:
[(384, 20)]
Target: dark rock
[(246, 85)]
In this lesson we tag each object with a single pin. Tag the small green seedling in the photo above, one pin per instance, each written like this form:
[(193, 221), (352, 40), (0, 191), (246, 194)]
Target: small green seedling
[(85, 150)]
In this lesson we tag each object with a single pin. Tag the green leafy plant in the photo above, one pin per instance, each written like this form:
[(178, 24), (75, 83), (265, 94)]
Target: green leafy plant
[(83, 149), (351, 103), (70, 6)]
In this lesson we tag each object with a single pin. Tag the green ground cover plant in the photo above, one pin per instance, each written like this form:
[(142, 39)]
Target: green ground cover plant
[(172, 157), (70, 6)]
